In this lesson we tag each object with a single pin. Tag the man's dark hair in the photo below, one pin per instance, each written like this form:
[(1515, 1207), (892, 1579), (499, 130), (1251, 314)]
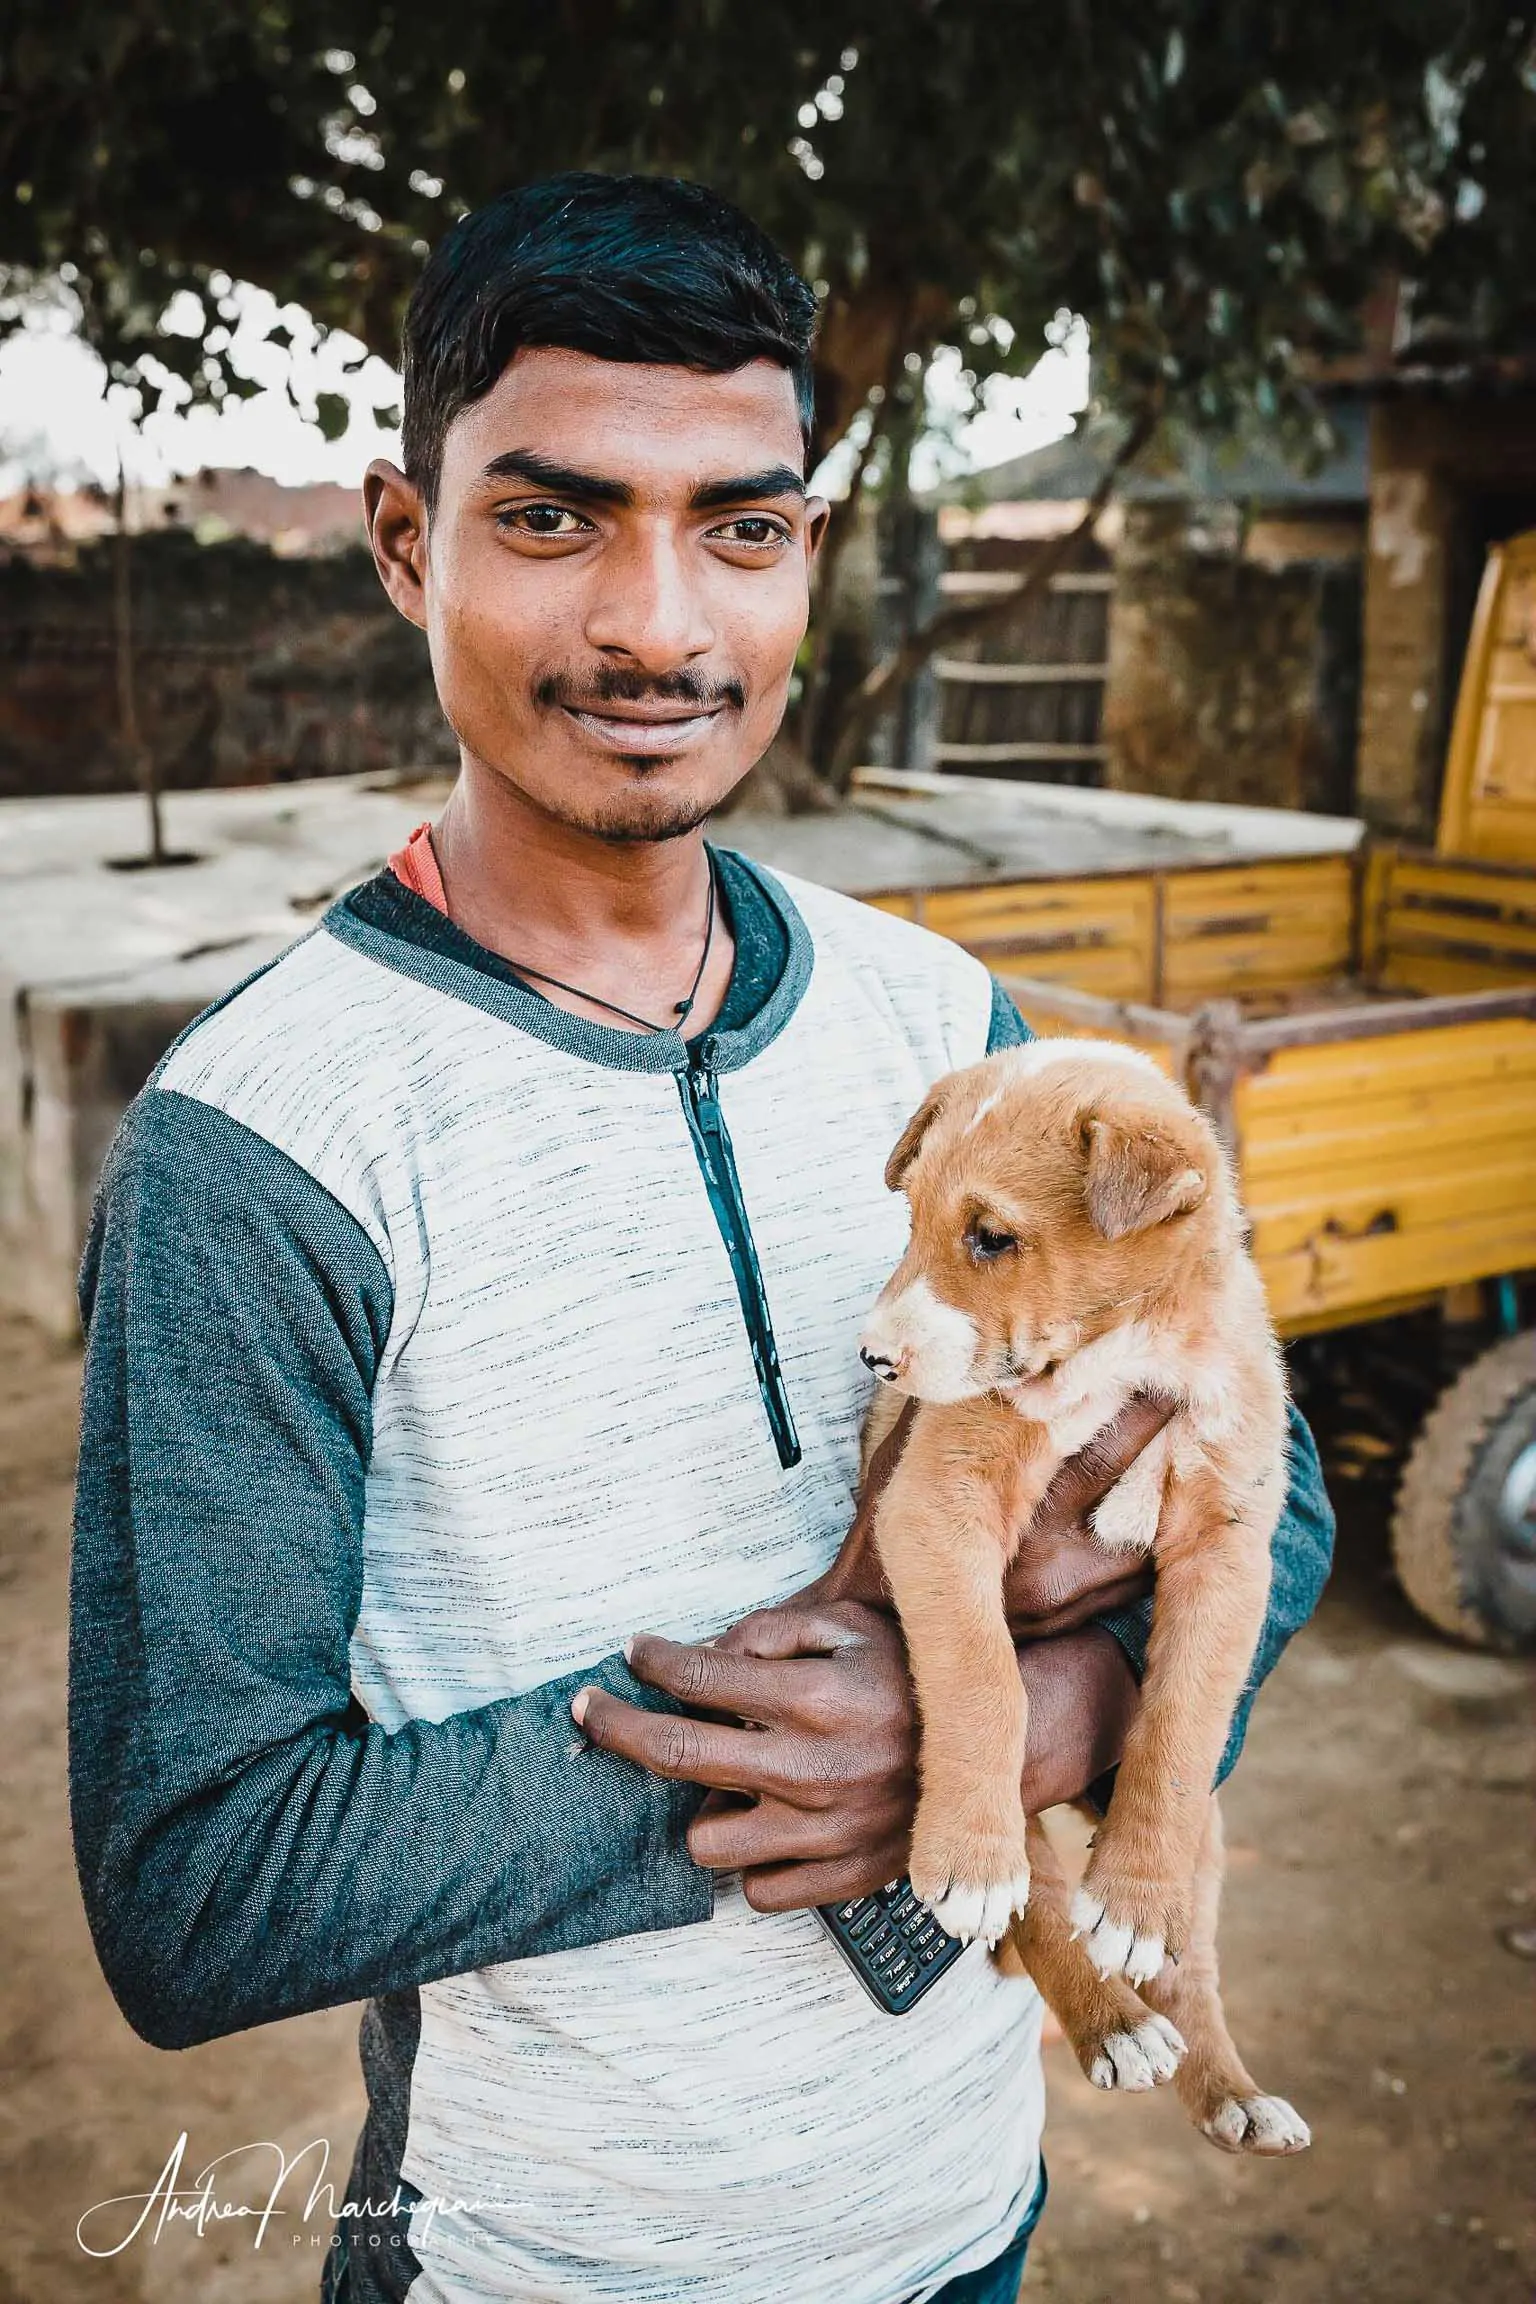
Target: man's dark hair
[(641, 268)]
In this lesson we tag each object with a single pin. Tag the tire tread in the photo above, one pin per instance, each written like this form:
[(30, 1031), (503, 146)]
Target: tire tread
[(1443, 1454)]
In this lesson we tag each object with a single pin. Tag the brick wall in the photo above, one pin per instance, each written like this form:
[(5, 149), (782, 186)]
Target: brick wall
[(251, 668)]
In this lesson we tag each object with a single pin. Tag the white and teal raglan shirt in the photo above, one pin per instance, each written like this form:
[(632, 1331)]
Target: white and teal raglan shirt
[(438, 1340)]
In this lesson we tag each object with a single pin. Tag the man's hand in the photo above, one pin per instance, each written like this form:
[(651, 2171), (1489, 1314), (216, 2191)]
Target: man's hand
[(813, 1802)]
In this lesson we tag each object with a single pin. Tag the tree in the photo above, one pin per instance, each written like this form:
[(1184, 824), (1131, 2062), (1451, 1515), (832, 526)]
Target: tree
[(1216, 187)]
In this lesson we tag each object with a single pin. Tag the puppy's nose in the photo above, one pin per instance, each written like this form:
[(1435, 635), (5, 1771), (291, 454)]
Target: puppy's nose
[(878, 1364)]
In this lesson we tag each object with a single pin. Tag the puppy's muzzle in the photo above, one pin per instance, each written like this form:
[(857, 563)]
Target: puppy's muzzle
[(879, 1365)]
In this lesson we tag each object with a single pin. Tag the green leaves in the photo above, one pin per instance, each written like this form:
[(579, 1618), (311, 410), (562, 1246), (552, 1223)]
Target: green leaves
[(333, 413), (1201, 183)]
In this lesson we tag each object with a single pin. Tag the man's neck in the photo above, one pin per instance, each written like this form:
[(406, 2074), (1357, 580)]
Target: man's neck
[(623, 919)]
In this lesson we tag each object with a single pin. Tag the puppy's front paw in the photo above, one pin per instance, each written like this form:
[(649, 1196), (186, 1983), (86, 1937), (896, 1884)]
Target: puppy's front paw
[(1127, 1928), (1126, 1520), (972, 1882), (1266, 2126)]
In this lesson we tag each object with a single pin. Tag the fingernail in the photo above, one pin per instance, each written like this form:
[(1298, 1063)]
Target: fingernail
[(629, 1648), (579, 1706)]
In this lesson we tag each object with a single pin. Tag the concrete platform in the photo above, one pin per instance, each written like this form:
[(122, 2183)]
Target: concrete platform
[(101, 966)]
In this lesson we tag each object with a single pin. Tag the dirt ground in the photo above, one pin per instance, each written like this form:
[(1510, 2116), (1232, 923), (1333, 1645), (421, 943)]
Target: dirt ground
[(1381, 1851)]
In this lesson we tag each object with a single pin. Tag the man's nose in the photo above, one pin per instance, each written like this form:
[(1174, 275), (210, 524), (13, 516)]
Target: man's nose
[(651, 608)]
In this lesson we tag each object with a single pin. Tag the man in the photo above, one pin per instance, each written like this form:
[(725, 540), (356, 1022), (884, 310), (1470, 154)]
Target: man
[(478, 1287)]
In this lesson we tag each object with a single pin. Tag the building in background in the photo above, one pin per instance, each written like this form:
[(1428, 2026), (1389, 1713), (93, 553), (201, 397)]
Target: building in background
[(1204, 644), (1240, 629), (1453, 471)]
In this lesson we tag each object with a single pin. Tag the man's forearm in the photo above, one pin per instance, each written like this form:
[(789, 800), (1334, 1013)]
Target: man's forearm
[(249, 1843), (348, 1863), (1083, 1697)]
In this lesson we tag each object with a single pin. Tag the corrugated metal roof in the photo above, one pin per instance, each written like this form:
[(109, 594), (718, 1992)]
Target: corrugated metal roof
[(1070, 469)]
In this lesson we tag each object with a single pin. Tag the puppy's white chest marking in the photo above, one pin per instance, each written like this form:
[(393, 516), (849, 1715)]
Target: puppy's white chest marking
[(1085, 1395)]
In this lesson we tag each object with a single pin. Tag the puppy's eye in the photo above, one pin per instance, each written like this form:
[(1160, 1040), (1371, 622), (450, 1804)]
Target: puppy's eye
[(986, 1244)]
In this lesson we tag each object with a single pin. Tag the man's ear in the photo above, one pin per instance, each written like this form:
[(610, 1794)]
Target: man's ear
[(1137, 1176), (396, 519), (911, 1137)]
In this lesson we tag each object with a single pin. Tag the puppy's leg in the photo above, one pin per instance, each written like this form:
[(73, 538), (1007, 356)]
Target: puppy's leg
[(1214, 2084), (1118, 2042), (1212, 1584), (945, 1528)]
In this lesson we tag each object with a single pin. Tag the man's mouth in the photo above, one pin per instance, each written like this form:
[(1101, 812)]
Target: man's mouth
[(657, 730)]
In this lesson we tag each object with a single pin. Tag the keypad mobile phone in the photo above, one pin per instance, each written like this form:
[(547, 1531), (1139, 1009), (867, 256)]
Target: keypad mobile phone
[(892, 1943)]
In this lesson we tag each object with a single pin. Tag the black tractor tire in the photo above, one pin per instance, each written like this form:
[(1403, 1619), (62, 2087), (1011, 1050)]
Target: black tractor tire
[(1464, 1527)]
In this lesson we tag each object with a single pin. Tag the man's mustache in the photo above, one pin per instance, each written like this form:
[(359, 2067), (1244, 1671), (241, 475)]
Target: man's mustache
[(606, 684)]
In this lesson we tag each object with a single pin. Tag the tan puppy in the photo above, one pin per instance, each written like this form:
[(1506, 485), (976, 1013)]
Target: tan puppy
[(1076, 1237)]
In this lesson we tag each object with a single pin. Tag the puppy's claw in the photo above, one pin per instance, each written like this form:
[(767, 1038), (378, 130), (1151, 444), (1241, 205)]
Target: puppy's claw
[(970, 1908), (1266, 2126), (1113, 1946), (1140, 2059)]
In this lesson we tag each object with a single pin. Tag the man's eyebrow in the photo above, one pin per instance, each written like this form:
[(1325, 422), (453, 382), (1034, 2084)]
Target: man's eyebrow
[(592, 488), (559, 479), (778, 480)]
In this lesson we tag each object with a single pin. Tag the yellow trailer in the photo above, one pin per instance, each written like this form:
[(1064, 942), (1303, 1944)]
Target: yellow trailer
[(1362, 1029)]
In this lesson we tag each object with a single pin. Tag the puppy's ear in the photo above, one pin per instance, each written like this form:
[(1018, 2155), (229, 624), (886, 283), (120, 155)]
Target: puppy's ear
[(911, 1137), (1137, 1176)]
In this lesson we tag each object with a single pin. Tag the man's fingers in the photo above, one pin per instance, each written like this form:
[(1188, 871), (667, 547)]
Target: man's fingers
[(710, 1679), (796, 1887), (776, 1634), (1087, 1478), (728, 1837), (693, 1751)]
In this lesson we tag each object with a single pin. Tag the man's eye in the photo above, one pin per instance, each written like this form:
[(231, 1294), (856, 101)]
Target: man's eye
[(543, 520), (986, 1244), (753, 530)]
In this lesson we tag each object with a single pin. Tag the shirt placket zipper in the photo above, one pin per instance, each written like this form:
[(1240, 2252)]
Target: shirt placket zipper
[(712, 1147)]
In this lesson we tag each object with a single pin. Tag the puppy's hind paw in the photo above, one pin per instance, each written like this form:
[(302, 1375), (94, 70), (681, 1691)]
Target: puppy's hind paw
[(1266, 2126), (1139, 2059), (1113, 1946)]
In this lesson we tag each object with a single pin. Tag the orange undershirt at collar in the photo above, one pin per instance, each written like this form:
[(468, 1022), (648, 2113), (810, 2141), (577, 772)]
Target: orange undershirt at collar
[(416, 865)]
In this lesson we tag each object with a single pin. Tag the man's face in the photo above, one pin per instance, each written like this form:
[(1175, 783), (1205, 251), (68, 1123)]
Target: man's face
[(613, 582)]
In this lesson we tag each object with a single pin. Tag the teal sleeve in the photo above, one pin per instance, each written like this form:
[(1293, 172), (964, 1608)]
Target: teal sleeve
[(1302, 1550), (249, 1843), (1008, 1028)]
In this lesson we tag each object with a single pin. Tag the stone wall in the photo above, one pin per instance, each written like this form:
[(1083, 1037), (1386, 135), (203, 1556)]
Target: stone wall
[(250, 668), (1233, 657)]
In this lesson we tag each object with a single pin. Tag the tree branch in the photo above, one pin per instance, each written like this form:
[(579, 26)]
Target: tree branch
[(824, 590)]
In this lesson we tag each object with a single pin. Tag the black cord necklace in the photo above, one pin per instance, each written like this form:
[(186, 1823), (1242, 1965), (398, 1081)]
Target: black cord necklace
[(684, 1008)]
